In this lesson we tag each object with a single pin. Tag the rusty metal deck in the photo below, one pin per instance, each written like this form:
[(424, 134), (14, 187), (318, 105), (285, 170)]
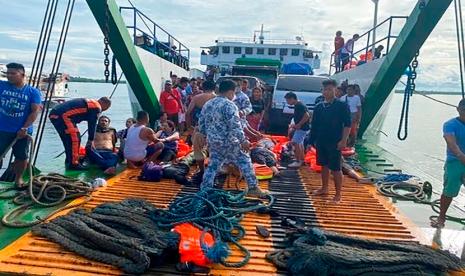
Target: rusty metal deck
[(362, 213)]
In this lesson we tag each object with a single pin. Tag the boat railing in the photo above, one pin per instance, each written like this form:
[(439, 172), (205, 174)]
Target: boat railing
[(257, 41), (152, 37), (390, 27)]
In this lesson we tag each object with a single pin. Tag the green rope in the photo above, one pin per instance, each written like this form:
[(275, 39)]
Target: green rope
[(218, 210)]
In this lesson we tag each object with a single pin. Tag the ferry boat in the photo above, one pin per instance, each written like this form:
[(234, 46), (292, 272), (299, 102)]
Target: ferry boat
[(148, 59), (229, 52)]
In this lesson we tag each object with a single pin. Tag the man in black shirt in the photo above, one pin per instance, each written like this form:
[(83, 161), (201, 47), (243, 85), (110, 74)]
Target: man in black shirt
[(329, 133), (300, 128)]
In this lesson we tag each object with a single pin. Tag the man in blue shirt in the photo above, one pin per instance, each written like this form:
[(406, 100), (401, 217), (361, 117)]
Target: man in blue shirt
[(19, 107), (454, 168)]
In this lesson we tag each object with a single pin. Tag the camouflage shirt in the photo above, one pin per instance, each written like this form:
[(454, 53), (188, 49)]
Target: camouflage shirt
[(219, 121), (242, 102)]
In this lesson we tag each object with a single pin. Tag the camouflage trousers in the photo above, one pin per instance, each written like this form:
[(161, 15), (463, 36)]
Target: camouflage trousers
[(228, 155)]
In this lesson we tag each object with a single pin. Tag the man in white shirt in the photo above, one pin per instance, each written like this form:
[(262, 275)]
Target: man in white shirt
[(355, 105)]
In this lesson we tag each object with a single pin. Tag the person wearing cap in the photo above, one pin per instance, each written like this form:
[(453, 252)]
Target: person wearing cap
[(170, 102), (454, 167), (20, 104)]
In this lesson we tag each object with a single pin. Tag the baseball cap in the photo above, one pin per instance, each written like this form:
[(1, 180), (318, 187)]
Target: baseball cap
[(168, 82)]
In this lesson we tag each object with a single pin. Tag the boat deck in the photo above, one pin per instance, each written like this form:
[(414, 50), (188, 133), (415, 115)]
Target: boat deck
[(361, 213)]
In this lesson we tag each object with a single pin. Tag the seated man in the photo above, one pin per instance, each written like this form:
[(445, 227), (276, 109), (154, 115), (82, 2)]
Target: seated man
[(122, 134), (102, 153), (166, 149), (137, 149)]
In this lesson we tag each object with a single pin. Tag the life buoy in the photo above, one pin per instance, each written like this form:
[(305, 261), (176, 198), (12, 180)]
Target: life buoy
[(262, 172)]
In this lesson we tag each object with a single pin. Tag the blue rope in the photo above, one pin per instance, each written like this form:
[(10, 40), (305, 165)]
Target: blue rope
[(217, 211)]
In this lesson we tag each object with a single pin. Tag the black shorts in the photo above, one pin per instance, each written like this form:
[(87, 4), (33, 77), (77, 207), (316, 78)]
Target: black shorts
[(20, 148), (329, 156), (167, 155)]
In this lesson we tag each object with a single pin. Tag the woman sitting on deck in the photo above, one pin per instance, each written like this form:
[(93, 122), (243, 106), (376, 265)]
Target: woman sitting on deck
[(166, 149)]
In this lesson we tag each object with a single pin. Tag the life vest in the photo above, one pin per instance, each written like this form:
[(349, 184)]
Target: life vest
[(310, 158), (183, 149), (190, 249), (262, 172)]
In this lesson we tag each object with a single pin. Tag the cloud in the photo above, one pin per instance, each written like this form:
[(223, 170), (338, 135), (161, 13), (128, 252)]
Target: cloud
[(198, 23)]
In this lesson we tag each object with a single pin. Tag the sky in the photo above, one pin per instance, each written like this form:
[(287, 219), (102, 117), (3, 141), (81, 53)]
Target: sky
[(198, 23)]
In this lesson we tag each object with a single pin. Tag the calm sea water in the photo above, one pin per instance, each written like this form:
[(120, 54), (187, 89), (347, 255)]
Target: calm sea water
[(424, 147)]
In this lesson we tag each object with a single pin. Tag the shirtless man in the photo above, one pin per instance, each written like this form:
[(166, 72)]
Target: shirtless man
[(192, 117), (137, 149)]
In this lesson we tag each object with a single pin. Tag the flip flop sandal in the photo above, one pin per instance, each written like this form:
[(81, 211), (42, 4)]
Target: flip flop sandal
[(262, 231), (435, 223)]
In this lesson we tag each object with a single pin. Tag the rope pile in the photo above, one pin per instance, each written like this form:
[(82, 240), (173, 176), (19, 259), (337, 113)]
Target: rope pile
[(120, 234), (44, 191), (317, 252), (133, 234), (217, 211), (397, 186)]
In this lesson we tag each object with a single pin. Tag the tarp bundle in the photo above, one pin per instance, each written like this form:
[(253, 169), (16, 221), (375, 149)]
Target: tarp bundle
[(297, 69), (317, 252)]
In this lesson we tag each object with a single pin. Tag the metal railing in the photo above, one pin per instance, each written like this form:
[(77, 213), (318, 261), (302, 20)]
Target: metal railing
[(365, 44), (265, 41), (150, 36)]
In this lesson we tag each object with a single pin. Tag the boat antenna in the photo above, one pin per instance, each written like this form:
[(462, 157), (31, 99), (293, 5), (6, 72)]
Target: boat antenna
[(261, 37), (460, 40)]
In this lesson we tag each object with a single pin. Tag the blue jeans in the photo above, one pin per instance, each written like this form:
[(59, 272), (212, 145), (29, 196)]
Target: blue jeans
[(104, 159)]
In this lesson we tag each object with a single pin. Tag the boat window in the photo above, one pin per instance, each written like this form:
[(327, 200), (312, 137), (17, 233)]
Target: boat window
[(272, 51), (248, 50), (283, 52), (295, 52), (308, 54), (299, 84), (226, 49), (237, 50), (260, 51)]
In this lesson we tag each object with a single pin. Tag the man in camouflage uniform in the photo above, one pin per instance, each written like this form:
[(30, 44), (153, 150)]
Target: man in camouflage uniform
[(242, 102), (219, 121)]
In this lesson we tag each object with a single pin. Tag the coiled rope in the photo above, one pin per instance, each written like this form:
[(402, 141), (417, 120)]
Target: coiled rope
[(120, 234), (317, 252), (217, 211), (43, 191)]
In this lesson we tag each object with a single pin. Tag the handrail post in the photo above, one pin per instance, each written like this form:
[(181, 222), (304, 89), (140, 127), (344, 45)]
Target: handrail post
[(135, 25), (389, 36), (368, 45)]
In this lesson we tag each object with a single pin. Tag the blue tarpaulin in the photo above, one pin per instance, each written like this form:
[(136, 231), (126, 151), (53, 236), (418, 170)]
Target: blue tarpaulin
[(297, 69)]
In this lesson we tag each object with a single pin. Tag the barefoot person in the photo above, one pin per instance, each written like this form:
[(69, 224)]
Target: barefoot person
[(19, 107), (454, 169), (329, 132), (220, 123), (192, 118)]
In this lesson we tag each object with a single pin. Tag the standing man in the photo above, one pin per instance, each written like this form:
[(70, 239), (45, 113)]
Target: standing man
[(300, 128), (65, 118), (242, 102), (338, 44), (329, 133), (170, 102), (355, 106), (454, 168), (220, 123), (192, 119), (19, 107), (348, 50)]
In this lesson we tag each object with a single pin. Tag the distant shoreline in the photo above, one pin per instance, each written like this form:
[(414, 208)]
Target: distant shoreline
[(430, 92), (89, 80)]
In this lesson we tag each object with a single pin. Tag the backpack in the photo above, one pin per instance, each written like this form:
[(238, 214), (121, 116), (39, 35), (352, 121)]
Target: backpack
[(151, 172)]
